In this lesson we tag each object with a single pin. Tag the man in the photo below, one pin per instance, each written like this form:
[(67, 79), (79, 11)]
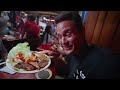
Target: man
[(32, 32), (83, 61), (31, 28), (3, 51)]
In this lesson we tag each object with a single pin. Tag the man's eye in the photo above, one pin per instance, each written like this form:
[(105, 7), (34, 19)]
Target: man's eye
[(68, 34)]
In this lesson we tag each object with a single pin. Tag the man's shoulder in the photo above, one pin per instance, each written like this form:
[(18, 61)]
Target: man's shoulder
[(98, 54), (102, 55), (102, 63), (94, 49), (92, 52)]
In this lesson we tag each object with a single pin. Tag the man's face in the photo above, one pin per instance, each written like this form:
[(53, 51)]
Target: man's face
[(68, 37)]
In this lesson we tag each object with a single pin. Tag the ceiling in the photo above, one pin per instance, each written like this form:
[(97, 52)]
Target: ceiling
[(43, 13)]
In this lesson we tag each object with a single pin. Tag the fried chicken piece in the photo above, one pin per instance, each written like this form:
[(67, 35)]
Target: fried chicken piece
[(43, 64), (25, 66), (35, 64)]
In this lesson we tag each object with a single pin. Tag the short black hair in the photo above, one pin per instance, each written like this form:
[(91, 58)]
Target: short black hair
[(31, 17), (70, 15)]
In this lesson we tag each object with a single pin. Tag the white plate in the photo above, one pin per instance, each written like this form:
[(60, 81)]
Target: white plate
[(9, 65)]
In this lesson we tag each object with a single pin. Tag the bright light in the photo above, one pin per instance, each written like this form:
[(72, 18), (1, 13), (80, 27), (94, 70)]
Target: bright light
[(44, 18), (52, 20), (47, 19)]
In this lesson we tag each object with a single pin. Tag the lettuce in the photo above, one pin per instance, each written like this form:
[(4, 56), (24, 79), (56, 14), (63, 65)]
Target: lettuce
[(22, 48)]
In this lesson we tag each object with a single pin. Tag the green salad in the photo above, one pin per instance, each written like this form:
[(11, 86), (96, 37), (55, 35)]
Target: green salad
[(21, 49)]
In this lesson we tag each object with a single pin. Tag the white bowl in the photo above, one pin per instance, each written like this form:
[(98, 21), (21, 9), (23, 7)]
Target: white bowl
[(41, 72)]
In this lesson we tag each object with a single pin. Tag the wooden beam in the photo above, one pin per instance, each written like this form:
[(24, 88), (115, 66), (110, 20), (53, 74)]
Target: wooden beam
[(47, 13), (42, 12)]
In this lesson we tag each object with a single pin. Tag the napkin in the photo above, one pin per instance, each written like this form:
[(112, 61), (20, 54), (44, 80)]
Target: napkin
[(7, 70)]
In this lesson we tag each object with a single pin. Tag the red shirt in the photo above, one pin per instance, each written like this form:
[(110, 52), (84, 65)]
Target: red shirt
[(32, 29)]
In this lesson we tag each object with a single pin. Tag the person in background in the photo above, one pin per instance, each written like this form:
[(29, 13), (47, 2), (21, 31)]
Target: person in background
[(20, 24), (48, 35), (3, 50), (83, 61), (4, 14), (7, 30), (23, 16), (32, 32), (54, 28)]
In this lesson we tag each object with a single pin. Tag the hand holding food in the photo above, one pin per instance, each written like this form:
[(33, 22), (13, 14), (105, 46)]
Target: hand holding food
[(51, 54)]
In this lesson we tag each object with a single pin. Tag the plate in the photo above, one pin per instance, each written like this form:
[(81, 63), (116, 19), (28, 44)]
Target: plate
[(9, 65)]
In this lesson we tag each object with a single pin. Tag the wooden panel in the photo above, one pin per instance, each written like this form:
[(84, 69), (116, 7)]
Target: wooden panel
[(109, 28), (116, 41), (98, 27), (90, 25)]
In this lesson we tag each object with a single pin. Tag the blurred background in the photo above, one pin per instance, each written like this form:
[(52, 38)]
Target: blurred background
[(102, 27)]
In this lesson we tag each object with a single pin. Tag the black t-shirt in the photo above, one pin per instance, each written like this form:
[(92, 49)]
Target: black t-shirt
[(93, 63)]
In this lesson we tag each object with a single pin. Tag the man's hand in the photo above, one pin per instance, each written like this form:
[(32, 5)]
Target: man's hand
[(51, 54)]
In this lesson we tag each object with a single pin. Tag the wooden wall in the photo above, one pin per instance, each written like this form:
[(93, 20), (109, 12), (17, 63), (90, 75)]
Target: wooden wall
[(103, 29)]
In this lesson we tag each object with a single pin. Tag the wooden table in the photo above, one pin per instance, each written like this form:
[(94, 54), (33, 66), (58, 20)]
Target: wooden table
[(4, 75)]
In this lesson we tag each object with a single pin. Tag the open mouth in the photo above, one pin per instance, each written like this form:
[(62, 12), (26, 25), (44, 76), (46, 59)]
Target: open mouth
[(68, 47)]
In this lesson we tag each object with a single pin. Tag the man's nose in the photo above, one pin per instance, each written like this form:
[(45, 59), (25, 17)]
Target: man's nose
[(63, 41)]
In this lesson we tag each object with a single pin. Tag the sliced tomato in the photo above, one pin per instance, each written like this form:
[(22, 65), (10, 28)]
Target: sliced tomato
[(13, 60), (20, 56)]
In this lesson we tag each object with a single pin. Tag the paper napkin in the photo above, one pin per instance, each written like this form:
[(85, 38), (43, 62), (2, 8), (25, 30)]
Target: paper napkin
[(7, 70)]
